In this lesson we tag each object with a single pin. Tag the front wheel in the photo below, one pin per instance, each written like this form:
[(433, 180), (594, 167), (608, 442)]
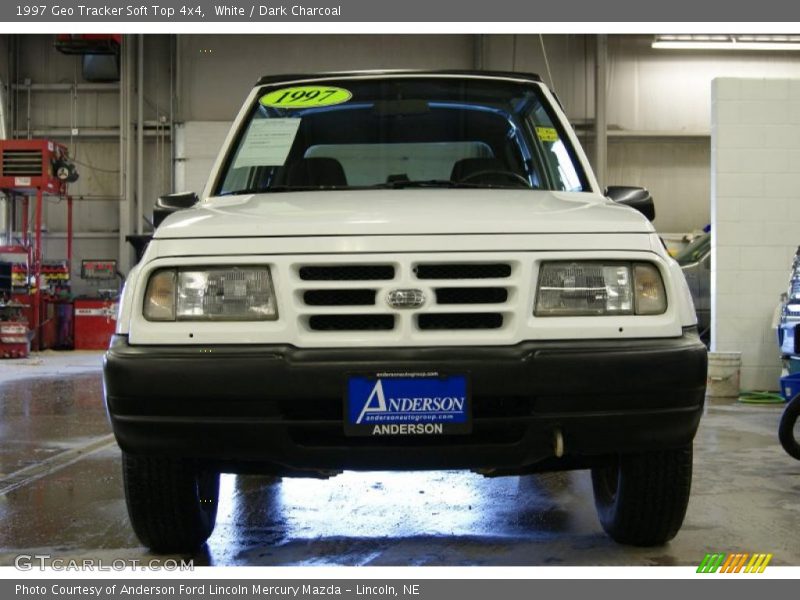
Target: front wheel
[(641, 499), (786, 430), (172, 502)]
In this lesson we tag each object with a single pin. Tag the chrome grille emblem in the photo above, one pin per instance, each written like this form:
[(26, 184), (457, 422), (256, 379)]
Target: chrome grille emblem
[(410, 298)]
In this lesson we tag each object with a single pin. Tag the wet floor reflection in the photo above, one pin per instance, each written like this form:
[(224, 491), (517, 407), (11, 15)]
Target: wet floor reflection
[(78, 506), (41, 417), (263, 512), (51, 396)]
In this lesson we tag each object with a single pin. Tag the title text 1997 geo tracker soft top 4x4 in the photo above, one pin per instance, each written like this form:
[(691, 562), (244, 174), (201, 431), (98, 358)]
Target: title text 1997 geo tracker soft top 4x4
[(405, 270)]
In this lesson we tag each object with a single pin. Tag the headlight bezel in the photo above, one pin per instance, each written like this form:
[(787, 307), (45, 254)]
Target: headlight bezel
[(631, 265), (179, 270)]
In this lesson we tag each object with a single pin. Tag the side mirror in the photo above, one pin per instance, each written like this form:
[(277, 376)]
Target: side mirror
[(635, 197), (166, 205)]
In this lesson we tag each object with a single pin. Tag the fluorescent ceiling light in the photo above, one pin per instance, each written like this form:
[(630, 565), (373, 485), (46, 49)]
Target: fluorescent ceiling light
[(727, 42)]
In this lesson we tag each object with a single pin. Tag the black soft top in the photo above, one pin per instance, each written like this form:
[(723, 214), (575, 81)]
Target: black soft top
[(271, 79)]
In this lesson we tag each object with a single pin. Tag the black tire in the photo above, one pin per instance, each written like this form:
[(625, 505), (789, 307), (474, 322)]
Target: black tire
[(641, 499), (786, 428), (172, 503)]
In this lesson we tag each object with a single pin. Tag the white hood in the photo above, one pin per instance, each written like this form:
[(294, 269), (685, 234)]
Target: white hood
[(401, 212)]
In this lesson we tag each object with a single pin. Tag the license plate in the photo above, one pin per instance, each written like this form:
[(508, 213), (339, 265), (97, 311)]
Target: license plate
[(407, 404)]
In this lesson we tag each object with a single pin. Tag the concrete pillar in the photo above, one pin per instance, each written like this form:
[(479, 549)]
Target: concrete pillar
[(600, 115)]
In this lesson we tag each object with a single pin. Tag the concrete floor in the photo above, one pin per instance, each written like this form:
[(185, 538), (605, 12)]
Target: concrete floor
[(61, 493)]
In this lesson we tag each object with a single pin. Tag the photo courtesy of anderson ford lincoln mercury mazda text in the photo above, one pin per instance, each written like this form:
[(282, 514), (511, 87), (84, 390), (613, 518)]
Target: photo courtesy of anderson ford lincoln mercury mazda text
[(401, 271)]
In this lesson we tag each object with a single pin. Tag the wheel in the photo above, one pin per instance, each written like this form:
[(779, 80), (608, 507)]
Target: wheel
[(172, 503), (641, 499), (786, 432)]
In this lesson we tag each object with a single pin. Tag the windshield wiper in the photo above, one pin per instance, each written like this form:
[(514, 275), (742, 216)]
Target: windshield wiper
[(241, 192), (405, 183), (281, 188), (442, 183)]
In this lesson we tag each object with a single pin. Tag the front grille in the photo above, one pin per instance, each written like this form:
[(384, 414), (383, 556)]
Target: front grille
[(463, 271), (468, 298), (462, 321), (466, 295), (365, 322), (339, 297), (347, 273), (22, 163)]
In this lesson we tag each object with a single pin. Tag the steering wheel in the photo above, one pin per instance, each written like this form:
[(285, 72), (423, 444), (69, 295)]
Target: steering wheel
[(509, 174)]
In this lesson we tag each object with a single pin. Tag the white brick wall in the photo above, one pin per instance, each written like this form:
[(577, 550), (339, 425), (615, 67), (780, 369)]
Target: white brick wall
[(755, 216)]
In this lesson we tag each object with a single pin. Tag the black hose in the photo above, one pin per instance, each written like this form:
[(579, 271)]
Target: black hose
[(787, 426)]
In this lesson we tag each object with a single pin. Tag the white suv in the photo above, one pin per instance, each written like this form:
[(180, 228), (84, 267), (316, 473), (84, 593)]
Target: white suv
[(405, 270)]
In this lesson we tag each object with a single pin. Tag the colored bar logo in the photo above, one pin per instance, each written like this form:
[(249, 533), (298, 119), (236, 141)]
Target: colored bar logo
[(740, 562)]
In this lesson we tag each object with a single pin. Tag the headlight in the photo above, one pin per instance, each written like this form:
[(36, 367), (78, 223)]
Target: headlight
[(210, 294), (599, 288)]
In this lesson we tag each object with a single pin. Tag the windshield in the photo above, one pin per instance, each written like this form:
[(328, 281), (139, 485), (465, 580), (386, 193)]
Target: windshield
[(396, 132)]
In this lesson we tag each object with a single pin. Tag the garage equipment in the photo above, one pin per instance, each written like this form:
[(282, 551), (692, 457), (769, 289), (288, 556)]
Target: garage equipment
[(36, 168), (6, 282), (789, 342), (96, 315), (88, 43), (14, 340), (95, 321), (15, 307), (788, 320), (99, 54), (15, 336)]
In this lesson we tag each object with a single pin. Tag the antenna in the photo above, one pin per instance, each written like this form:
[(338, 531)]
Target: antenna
[(547, 64)]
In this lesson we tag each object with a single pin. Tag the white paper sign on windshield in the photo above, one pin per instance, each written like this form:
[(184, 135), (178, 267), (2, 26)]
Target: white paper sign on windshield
[(267, 143)]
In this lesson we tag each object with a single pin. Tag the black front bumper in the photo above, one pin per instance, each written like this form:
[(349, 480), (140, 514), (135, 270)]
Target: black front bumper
[(280, 408)]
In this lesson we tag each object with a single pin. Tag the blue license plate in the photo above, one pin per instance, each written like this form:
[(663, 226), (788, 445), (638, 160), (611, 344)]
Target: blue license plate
[(407, 404)]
